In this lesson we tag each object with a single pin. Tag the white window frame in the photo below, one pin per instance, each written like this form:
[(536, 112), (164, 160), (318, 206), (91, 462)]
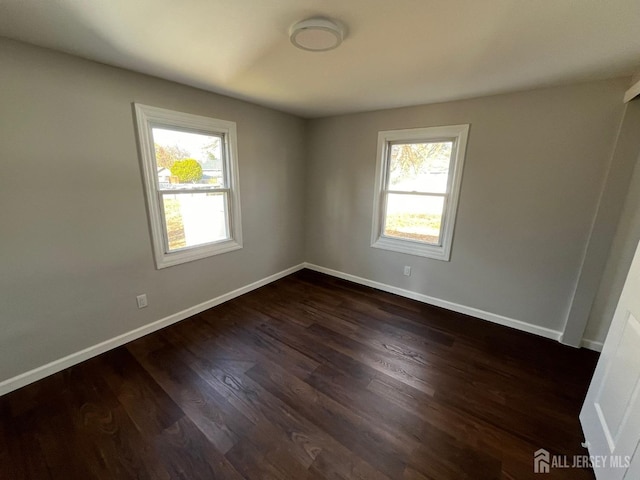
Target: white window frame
[(458, 134), (148, 117)]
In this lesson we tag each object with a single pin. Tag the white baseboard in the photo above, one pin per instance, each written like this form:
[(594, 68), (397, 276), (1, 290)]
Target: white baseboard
[(31, 376), (474, 312), (592, 344)]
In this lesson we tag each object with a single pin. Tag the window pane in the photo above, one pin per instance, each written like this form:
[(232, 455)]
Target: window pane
[(419, 167), (195, 218), (185, 159), (414, 217)]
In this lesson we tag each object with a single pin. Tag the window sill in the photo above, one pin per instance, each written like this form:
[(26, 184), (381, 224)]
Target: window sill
[(188, 255), (436, 252)]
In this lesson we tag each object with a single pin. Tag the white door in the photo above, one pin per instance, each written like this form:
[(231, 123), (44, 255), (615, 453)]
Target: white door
[(610, 415)]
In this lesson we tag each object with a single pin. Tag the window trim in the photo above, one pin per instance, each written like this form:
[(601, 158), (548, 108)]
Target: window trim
[(148, 117), (459, 135)]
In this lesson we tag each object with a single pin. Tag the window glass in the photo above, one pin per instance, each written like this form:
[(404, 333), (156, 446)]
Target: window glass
[(414, 217), (185, 159), (193, 219), (419, 167)]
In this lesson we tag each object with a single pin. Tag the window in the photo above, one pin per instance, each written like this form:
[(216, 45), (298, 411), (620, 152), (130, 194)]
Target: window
[(190, 174), (418, 178)]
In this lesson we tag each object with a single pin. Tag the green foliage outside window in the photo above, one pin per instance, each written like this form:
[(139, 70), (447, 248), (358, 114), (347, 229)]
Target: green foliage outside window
[(187, 170)]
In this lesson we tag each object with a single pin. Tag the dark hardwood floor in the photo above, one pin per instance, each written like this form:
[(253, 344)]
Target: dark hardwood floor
[(310, 377)]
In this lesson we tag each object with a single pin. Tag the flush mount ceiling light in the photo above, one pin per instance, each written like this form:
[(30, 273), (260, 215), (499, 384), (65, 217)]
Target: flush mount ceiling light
[(316, 34)]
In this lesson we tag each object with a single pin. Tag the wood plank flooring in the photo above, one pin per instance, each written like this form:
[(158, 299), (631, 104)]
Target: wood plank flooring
[(312, 378)]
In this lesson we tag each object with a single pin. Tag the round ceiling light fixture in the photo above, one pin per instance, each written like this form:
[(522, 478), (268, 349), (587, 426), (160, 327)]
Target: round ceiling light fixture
[(316, 34)]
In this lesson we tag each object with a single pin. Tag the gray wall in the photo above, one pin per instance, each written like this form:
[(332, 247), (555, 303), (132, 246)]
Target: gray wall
[(626, 237), (595, 297), (75, 248), (535, 167)]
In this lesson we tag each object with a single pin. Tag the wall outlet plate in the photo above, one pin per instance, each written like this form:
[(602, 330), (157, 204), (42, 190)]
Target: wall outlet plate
[(142, 300), (407, 271)]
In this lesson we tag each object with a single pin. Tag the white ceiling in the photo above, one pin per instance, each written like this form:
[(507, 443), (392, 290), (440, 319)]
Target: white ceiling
[(396, 52)]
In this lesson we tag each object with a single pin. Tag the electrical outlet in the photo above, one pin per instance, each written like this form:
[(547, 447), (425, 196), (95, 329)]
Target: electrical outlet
[(407, 271), (142, 300)]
